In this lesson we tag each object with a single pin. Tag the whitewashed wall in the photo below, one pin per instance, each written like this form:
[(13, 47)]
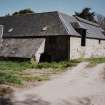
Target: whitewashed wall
[(92, 48), (40, 51)]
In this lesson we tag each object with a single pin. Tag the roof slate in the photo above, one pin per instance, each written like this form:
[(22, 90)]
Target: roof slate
[(32, 25), (47, 24), (93, 29)]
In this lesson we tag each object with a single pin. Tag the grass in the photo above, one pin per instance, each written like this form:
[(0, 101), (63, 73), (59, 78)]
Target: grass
[(12, 72), (94, 61), (36, 78), (7, 77)]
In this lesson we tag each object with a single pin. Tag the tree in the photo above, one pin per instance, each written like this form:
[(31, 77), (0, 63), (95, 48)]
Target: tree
[(8, 14), (23, 12), (101, 20), (86, 14)]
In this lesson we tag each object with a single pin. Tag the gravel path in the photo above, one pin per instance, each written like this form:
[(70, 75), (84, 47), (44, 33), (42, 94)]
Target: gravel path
[(80, 86)]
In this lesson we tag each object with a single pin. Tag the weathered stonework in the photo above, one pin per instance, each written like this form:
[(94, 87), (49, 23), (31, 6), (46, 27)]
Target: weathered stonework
[(20, 48), (93, 48)]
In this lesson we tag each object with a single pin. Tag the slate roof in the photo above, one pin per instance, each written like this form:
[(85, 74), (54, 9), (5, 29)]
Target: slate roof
[(47, 24), (33, 25), (93, 29)]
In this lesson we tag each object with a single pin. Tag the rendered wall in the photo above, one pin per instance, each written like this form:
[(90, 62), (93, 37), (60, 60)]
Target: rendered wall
[(22, 48), (92, 49)]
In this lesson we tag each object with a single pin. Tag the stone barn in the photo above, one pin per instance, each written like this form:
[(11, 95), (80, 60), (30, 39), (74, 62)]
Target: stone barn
[(50, 36)]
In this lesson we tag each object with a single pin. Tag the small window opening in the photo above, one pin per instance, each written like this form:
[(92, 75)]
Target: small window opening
[(103, 32), (44, 28), (13, 52), (75, 24), (83, 40), (10, 30), (99, 41), (82, 32)]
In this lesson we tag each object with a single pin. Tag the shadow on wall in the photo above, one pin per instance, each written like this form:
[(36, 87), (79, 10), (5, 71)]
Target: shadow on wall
[(57, 48), (45, 57)]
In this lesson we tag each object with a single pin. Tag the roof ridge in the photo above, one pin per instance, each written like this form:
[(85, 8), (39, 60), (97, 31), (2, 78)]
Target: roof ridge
[(86, 21), (29, 14), (66, 25), (60, 18)]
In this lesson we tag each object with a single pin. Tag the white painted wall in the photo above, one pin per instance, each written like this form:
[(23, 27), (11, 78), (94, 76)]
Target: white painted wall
[(92, 48), (1, 35), (40, 51)]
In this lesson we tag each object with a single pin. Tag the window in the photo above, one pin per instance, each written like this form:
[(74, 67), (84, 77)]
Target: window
[(103, 32), (44, 28), (83, 38), (99, 41), (10, 30), (75, 25), (82, 32)]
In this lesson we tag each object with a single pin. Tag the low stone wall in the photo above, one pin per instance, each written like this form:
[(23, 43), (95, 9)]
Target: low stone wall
[(20, 48), (93, 48)]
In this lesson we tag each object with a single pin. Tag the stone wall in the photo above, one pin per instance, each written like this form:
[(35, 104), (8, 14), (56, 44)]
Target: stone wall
[(20, 48), (93, 48)]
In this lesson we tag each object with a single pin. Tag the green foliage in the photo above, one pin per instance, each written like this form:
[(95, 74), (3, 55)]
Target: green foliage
[(9, 77), (33, 61), (95, 61), (23, 12), (86, 14), (56, 65), (13, 71), (36, 78), (14, 65)]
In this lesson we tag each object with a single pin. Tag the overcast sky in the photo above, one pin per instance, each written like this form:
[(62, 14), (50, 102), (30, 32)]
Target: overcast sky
[(66, 6)]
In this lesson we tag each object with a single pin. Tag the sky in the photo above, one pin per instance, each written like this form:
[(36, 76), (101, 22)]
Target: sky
[(66, 6)]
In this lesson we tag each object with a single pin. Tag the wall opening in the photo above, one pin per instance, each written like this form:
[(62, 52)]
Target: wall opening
[(45, 57), (99, 41), (82, 32), (83, 38)]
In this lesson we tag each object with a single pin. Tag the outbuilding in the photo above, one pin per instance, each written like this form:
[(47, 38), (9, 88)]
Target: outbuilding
[(50, 36)]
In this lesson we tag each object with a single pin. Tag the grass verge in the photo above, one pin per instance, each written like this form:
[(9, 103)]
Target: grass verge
[(94, 61), (12, 72)]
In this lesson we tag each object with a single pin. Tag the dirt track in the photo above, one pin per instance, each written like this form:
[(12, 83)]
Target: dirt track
[(79, 86)]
